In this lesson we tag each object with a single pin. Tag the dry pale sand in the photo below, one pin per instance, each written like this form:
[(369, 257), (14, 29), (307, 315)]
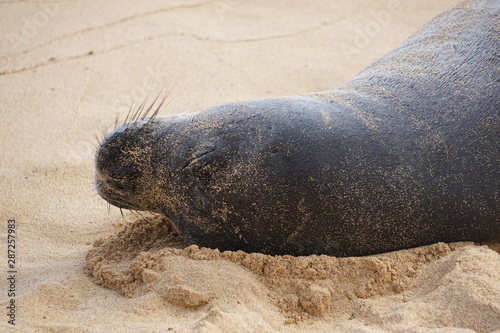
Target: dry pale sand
[(66, 69)]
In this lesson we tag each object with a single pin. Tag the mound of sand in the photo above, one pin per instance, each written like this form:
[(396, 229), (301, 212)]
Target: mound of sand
[(430, 286)]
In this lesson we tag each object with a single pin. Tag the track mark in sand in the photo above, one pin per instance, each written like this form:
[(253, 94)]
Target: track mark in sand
[(107, 25), (126, 19)]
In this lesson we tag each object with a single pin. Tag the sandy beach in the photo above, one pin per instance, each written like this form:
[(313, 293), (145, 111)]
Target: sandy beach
[(68, 69)]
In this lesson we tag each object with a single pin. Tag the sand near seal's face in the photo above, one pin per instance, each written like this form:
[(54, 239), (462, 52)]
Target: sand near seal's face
[(66, 68)]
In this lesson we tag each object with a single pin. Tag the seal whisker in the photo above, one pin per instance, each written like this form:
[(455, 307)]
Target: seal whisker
[(158, 108), (144, 111), (155, 113), (104, 130), (129, 112), (143, 116), (142, 216), (96, 147), (97, 142), (117, 119), (137, 112), (140, 111), (165, 97), (136, 213)]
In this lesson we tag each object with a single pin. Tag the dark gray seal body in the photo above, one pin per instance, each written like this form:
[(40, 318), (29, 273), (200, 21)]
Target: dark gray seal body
[(404, 155)]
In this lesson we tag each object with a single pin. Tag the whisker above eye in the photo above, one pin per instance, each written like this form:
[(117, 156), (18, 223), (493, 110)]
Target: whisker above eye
[(138, 112), (129, 112), (144, 115), (155, 113)]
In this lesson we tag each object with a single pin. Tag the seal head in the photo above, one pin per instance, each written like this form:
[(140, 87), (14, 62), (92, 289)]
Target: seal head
[(122, 159)]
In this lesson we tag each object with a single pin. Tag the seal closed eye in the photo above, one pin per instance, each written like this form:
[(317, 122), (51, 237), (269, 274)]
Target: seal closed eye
[(403, 155)]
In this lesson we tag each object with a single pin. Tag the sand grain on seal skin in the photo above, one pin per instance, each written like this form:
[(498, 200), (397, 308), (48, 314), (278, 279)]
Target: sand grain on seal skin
[(302, 288)]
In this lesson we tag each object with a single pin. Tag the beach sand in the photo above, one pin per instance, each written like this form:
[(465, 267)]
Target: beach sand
[(68, 68)]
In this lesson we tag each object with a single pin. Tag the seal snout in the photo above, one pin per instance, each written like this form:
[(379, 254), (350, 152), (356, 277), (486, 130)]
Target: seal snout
[(121, 166)]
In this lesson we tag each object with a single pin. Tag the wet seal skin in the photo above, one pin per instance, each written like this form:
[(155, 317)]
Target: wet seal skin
[(403, 155)]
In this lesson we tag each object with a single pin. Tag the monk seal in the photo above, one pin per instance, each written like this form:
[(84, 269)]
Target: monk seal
[(403, 155)]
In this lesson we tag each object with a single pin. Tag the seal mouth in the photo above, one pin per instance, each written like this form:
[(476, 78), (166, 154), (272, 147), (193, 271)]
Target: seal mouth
[(118, 202), (110, 192)]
